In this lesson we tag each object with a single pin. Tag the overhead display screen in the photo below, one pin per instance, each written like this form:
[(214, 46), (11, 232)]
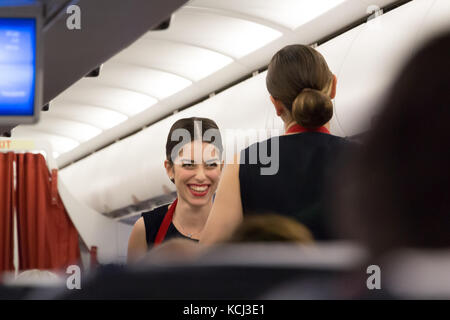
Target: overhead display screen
[(17, 66)]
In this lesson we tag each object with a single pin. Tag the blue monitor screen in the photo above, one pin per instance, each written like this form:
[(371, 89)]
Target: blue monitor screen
[(17, 66)]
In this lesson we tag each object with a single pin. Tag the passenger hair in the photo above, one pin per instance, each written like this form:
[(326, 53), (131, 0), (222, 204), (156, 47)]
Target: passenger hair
[(271, 227), (300, 78), (192, 126)]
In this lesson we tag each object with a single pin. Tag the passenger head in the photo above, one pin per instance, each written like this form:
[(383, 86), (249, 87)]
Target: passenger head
[(301, 86), (174, 250), (395, 191), (194, 159), (37, 277), (271, 228)]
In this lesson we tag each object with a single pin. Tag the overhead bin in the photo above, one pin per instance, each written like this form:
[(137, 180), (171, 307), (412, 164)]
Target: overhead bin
[(71, 54)]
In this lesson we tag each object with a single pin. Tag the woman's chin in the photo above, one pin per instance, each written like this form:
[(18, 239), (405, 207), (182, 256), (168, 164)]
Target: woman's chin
[(198, 201)]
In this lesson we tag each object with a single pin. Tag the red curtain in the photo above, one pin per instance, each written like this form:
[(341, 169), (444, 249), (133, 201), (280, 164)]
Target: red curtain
[(6, 212), (47, 237)]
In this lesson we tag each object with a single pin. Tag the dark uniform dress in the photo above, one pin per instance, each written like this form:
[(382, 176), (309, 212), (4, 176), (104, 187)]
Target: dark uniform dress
[(299, 188), (153, 220)]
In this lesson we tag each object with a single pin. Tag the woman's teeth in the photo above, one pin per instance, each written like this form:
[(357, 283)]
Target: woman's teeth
[(198, 188)]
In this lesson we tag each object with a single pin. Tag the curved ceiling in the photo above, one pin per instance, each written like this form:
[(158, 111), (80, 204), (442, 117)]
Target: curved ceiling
[(209, 43)]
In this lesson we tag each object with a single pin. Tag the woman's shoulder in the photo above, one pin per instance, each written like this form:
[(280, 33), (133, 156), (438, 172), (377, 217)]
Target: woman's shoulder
[(286, 140), (152, 221), (314, 139), (158, 211)]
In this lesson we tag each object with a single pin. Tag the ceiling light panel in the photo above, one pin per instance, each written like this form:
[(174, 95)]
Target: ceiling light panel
[(125, 101), (102, 118), (59, 144), (227, 35), (288, 13), (155, 83), (188, 61)]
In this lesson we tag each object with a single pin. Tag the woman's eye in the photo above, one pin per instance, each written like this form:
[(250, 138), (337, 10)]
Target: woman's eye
[(212, 165), (187, 165)]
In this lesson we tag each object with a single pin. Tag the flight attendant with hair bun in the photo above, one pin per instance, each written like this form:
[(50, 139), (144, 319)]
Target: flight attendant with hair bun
[(301, 87)]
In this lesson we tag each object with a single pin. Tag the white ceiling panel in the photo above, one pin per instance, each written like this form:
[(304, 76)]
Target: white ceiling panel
[(72, 129), (289, 13), (121, 100), (227, 35), (102, 118), (188, 61), (155, 83)]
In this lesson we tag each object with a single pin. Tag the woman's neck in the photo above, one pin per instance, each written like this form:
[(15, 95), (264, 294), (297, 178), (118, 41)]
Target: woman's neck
[(192, 219), (288, 125)]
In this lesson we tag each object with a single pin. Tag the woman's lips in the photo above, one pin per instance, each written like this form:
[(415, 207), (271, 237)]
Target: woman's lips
[(198, 190)]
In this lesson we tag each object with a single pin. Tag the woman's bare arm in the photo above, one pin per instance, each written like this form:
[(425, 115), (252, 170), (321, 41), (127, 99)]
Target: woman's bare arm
[(226, 213)]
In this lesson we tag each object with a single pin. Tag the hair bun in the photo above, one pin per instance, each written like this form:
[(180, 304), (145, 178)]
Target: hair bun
[(312, 108)]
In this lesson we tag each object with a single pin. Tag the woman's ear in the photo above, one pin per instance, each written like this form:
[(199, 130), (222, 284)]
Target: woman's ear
[(169, 170), (279, 106), (333, 87)]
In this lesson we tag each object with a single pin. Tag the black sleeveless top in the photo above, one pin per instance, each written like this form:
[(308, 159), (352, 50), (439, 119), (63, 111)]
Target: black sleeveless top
[(153, 220), (299, 187)]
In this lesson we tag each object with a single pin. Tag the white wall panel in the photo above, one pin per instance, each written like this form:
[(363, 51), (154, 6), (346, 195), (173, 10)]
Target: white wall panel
[(437, 20), (335, 51), (380, 49)]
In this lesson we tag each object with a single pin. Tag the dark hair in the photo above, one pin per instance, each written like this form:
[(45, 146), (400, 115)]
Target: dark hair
[(190, 125), (395, 191), (299, 77)]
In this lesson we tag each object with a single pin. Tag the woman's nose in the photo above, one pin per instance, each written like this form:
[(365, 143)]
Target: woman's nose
[(200, 174)]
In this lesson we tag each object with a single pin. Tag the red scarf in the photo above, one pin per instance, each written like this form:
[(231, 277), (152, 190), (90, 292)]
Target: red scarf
[(296, 128), (165, 224)]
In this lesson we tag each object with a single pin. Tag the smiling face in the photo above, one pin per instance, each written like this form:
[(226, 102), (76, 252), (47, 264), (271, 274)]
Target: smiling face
[(196, 172)]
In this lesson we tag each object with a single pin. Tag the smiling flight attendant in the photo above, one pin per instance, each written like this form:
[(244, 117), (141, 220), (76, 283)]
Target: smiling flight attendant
[(193, 163)]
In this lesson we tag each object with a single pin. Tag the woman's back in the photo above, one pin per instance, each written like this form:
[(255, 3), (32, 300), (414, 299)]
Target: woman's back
[(298, 189), (301, 88)]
